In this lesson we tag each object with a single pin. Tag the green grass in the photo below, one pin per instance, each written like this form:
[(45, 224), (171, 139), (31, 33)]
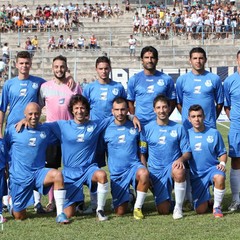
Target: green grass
[(154, 226)]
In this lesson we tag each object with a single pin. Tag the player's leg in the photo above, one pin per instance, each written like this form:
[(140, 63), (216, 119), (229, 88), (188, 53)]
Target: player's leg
[(142, 178), (179, 178), (100, 177)]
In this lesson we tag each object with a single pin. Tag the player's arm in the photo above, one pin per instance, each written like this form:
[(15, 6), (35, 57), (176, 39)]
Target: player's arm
[(131, 107), (227, 111), (179, 108), (143, 159), (2, 116), (222, 165), (219, 109), (179, 163)]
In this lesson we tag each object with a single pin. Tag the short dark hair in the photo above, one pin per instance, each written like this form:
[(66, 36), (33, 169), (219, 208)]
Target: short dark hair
[(198, 50), (161, 98), (103, 59), (23, 54), (195, 107), (151, 49), (61, 58), (120, 100), (238, 53), (76, 99)]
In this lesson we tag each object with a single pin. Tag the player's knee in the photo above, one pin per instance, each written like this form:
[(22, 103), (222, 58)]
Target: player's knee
[(163, 208), (202, 208), (143, 175), (122, 209), (179, 175), (101, 176), (58, 177), (219, 181)]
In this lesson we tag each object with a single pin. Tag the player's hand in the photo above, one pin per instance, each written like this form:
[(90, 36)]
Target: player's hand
[(221, 167), (20, 124), (178, 164), (137, 123), (71, 83)]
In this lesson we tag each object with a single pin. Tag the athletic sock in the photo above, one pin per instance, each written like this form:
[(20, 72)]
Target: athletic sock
[(188, 195), (51, 195), (235, 184), (59, 196), (5, 200), (180, 192), (218, 197), (37, 197), (102, 191), (93, 198), (140, 199)]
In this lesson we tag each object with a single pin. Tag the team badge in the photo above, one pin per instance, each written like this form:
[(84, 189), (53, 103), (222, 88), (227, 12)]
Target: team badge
[(210, 139), (42, 135), (132, 131), (208, 83), (173, 133), (198, 147), (35, 86), (32, 142), (197, 90), (115, 91), (90, 128), (80, 138), (162, 140), (160, 82), (150, 89), (121, 139)]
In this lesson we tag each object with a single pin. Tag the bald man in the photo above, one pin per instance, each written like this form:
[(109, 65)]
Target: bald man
[(27, 168)]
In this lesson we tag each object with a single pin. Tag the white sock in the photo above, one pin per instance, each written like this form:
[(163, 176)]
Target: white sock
[(37, 197), (59, 196), (218, 197), (140, 199), (102, 191), (93, 198), (5, 200), (235, 184), (188, 195), (180, 192)]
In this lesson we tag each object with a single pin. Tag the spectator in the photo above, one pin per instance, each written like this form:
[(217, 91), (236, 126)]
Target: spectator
[(51, 43), (132, 47), (93, 42), (61, 42), (70, 42), (84, 83), (81, 42), (5, 53)]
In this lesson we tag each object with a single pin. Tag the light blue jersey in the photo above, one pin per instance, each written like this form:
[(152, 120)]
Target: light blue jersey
[(205, 89), (28, 150), (17, 94), (123, 147), (101, 96), (232, 99), (165, 143), (143, 89), (207, 147), (2, 155)]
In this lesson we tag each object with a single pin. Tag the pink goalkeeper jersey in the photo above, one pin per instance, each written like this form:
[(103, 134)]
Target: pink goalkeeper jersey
[(56, 98)]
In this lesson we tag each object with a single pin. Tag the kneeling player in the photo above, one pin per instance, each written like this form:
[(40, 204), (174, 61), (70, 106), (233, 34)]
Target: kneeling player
[(124, 164), (207, 146)]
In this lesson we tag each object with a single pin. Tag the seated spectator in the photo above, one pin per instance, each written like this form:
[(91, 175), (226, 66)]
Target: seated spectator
[(3, 68), (29, 47), (5, 53), (93, 42), (61, 42), (70, 42), (163, 33), (81, 42), (35, 43), (51, 44)]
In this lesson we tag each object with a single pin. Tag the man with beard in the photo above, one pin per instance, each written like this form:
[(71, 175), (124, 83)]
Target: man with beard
[(55, 95)]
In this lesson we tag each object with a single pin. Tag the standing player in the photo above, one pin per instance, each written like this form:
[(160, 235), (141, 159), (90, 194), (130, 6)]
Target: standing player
[(232, 109), (168, 149), (27, 172), (146, 85), (199, 86), (17, 93), (100, 95), (55, 95), (207, 146), (123, 162)]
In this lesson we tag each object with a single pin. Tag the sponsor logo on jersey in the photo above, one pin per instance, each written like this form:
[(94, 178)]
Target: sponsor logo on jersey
[(103, 96), (90, 128), (23, 84), (149, 80), (197, 80), (197, 90), (160, 82), (23, 92), (43, 135), (61, 101), (132, 131), (208, 83), (150, 89), (35, 86), (80, 137), (198, 147), (162, 140), (32, 142), (121, 129), (122, 139), (115, 91), (210, 139), (173, 133), (198, 136)]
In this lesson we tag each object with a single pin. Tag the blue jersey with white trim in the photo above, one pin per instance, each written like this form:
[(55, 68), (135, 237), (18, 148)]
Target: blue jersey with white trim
[(205, 89), (123, 147), (101, 96), (206, 147), (144, 88)]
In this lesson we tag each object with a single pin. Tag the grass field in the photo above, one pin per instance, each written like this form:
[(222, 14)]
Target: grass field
[(154, 226)]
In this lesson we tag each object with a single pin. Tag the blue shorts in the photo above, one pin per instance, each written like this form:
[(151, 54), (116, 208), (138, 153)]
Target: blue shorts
[(200, 185), (162, 184), (120, 185), (22, 193), (234, 144), (74, 179), (3, 184)]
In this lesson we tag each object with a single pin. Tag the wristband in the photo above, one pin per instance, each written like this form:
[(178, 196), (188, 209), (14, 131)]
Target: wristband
[(223, 163), (130, 117)]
